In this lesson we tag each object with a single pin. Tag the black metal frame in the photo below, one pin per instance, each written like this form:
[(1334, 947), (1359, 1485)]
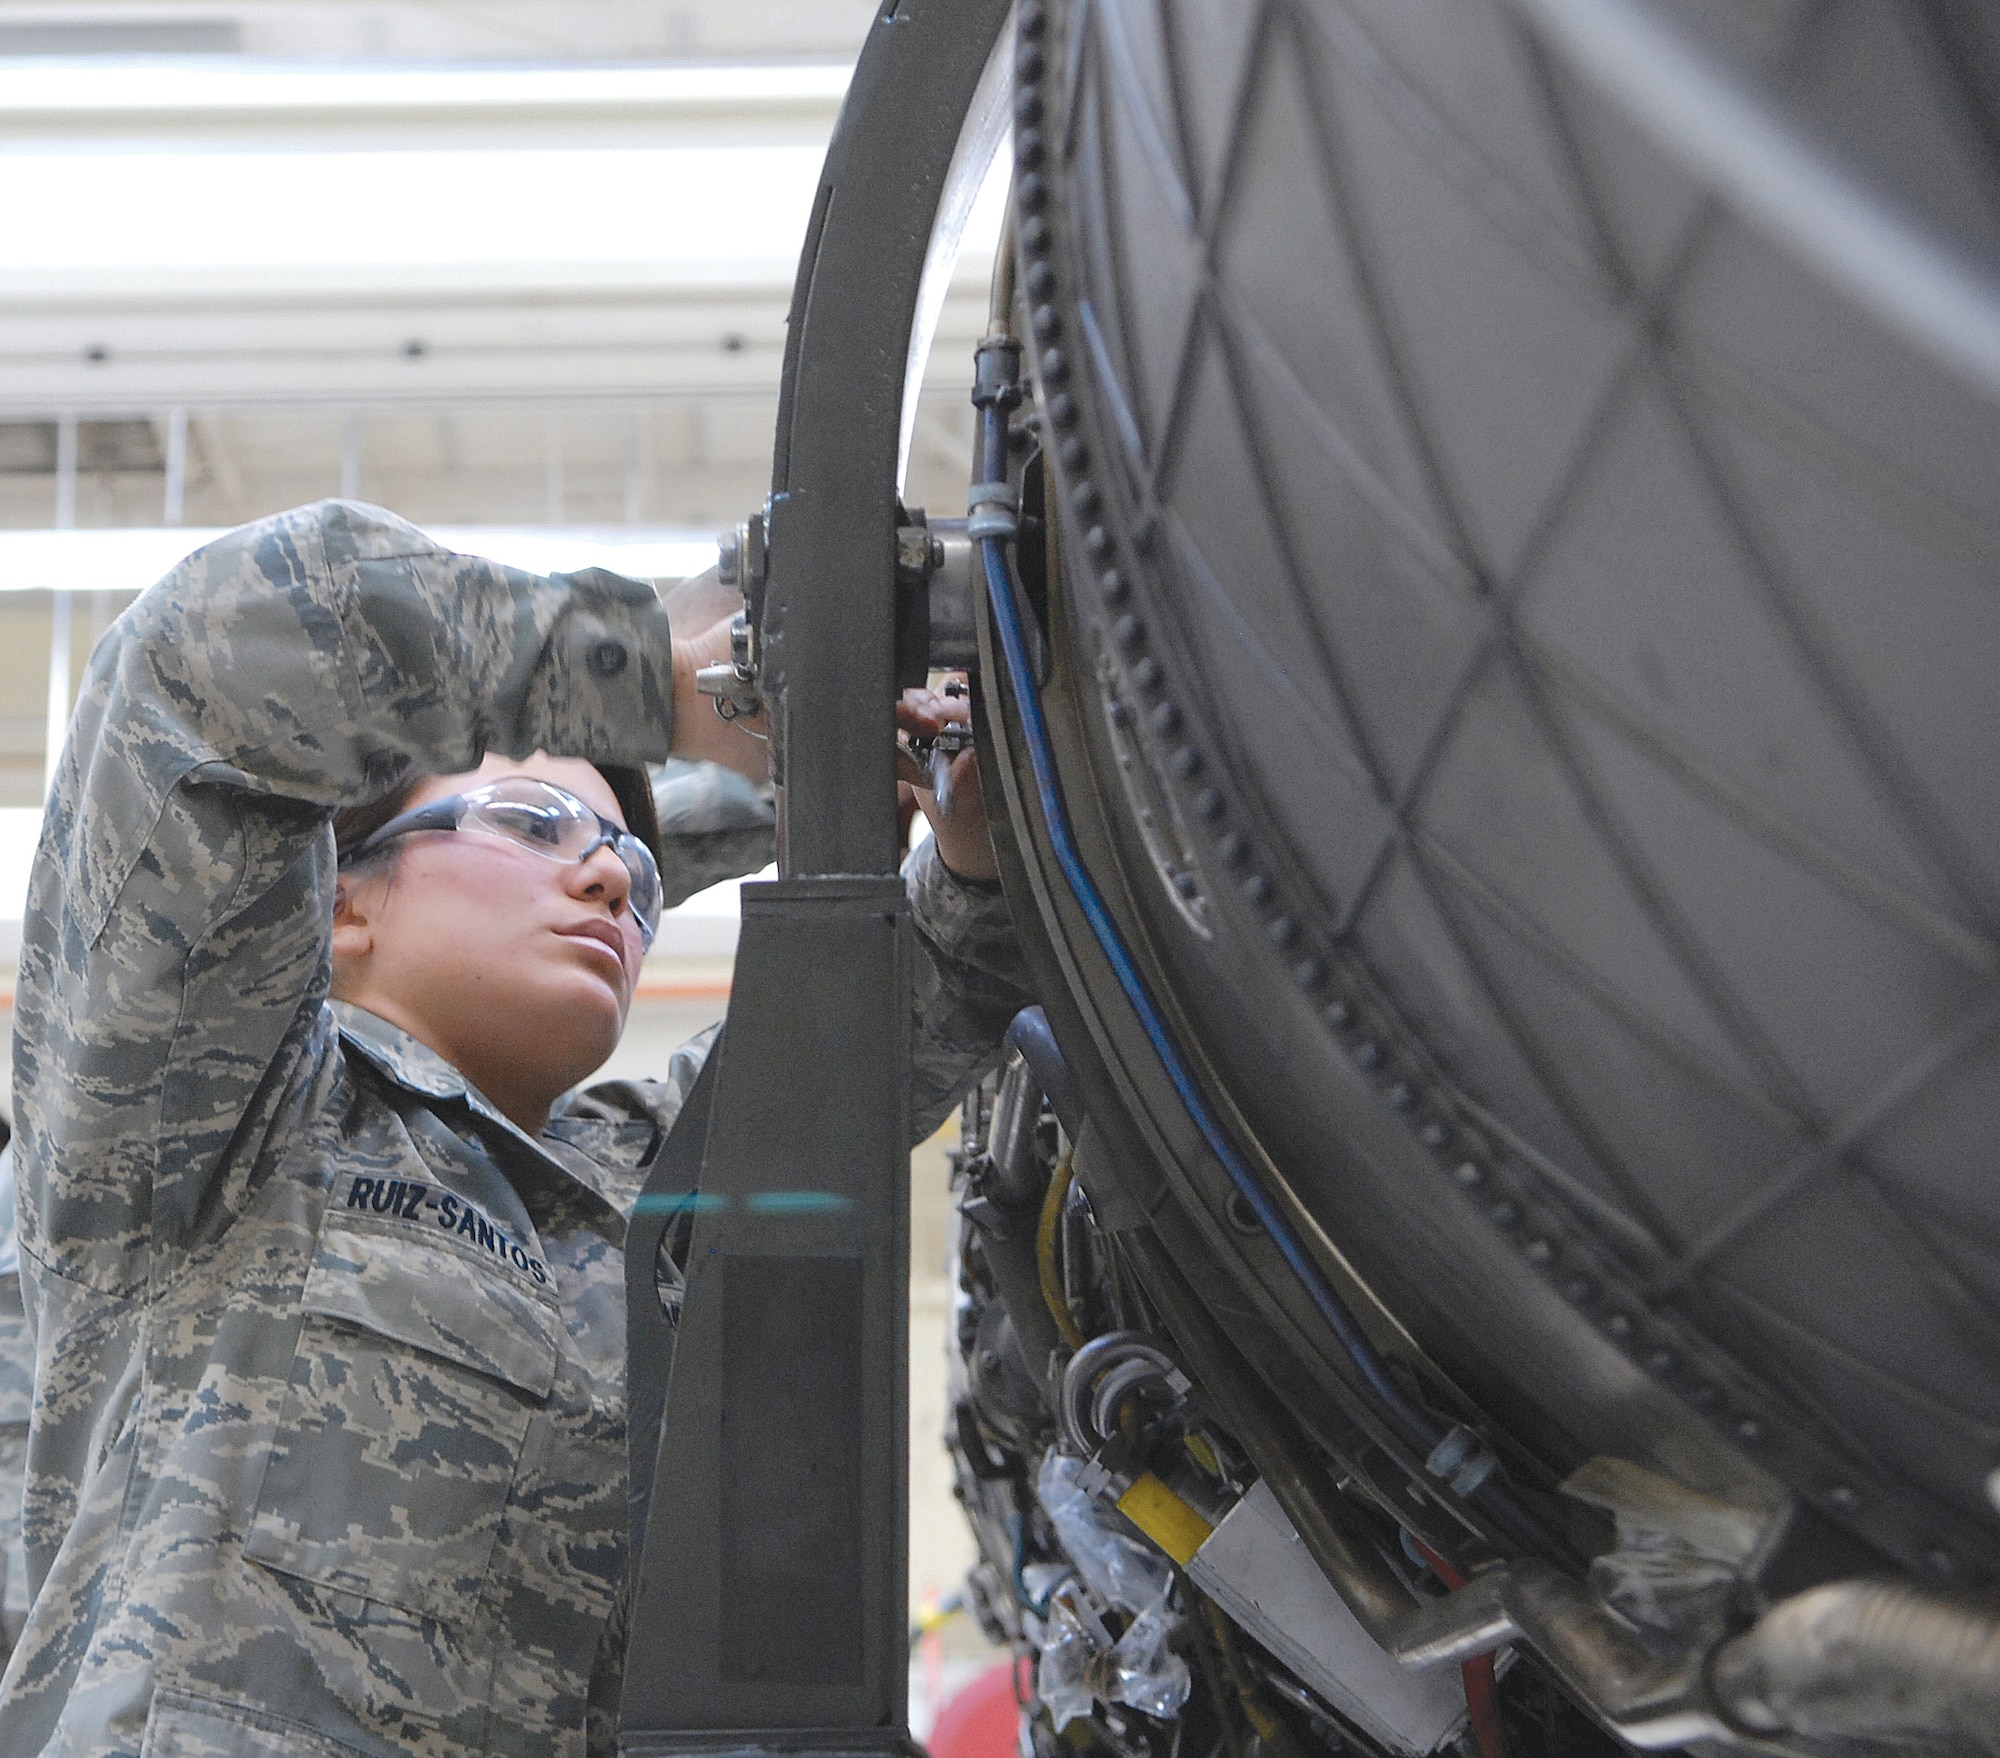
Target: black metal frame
[(769, 1568)]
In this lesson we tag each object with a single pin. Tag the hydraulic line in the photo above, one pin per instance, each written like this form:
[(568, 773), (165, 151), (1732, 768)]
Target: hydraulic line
[(1045, 1252), (996, 391)]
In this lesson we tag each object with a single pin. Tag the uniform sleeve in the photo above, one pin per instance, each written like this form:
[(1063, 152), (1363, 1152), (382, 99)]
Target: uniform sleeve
[(967, 983), (714, 825), (176, 949)]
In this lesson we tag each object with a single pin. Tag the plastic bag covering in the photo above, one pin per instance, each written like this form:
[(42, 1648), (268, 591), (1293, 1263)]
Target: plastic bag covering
[(1063, 1677), (1140, 1669)]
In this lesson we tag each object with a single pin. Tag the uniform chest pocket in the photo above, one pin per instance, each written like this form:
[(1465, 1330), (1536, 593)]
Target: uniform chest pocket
[(419, 1369)]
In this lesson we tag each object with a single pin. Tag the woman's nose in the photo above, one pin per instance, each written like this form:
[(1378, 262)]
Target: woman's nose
[(602, 874)]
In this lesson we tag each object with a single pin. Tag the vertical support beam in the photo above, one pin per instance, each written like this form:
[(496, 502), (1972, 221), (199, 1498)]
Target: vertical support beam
[(829, 598), (66, 445), (173, 493), (57, 727), (769, 1609)]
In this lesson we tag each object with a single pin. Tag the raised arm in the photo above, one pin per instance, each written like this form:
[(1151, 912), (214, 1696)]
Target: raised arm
[(968, 982), (176, 948)]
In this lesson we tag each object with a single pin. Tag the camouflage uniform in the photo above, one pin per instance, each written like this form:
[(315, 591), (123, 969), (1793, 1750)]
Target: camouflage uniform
[(17, 1393), (714, 825), (329, 1443)]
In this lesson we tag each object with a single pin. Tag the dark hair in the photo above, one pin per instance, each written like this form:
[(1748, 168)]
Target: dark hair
[(630, 786), (354, 825)]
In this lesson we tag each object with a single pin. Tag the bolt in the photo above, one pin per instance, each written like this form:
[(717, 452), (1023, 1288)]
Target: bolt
[(1242, 1216)]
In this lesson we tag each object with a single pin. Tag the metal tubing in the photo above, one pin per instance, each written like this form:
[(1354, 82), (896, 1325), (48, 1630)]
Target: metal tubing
[(1015, 1188), (1016, 1181), (1651, 1703), (1030, 1035), (1349, 1561), (1873, 1660)]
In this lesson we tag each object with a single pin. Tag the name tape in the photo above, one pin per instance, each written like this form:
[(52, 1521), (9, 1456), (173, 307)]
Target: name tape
[(406, 1200)]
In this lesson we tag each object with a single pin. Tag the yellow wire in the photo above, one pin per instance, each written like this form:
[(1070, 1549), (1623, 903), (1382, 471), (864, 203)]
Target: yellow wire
[(1045, 1252)]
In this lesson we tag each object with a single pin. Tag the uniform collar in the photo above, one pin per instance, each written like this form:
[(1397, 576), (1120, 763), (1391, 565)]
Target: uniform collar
[(416, 1067), (410, 1063)]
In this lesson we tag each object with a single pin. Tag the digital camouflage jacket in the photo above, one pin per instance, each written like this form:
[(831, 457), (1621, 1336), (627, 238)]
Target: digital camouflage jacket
[(328, 1455)]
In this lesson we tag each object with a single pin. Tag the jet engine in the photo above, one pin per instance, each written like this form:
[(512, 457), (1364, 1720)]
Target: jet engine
[(1488, 584), (1481, 579)]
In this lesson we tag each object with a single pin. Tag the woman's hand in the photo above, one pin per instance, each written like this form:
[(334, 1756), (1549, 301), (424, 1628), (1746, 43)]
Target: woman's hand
[(959, 823), (699, 732)]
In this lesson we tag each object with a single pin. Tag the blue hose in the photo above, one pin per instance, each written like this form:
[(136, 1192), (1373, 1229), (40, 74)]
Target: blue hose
[(1419, 1427)]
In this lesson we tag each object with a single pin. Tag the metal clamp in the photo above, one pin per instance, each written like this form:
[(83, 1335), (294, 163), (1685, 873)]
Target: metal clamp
[(1462, 1460), (732, 683), (991, 508)]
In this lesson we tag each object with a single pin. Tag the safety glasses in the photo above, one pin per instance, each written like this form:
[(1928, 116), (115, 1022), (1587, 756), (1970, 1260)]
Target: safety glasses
[(545, 820)]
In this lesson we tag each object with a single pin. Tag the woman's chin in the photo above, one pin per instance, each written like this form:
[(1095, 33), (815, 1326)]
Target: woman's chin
[(585, 1024)]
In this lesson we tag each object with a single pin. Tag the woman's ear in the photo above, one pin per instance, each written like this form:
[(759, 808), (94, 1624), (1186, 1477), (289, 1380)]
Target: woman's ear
[(353, 921)]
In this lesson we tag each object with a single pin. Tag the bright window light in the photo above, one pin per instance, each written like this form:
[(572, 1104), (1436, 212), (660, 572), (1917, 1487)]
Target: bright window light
[(50, 92), (702, 210)]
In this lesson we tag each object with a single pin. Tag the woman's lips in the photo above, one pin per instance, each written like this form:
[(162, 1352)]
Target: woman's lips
[(602, 933)]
